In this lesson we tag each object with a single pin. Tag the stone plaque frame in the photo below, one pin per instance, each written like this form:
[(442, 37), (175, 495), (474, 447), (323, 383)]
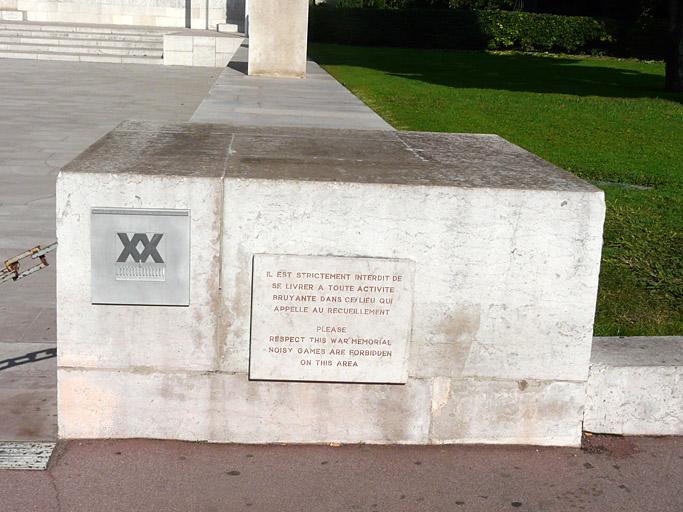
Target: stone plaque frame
[(331, 318), (140, 256)]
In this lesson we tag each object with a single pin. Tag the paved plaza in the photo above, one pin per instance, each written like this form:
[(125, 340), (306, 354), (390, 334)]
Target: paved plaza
[(319, 101)]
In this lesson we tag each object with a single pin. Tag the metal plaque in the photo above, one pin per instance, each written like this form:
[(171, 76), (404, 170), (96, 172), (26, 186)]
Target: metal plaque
[(140, 256), (331, 319)]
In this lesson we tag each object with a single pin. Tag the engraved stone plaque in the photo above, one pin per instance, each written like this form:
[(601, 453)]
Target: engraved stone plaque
[(140, 256), (330, 319)]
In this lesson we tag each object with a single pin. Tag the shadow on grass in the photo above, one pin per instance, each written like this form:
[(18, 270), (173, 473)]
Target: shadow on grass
[(510, 72)]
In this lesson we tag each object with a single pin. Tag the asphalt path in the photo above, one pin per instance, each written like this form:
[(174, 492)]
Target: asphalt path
[(609, 474)]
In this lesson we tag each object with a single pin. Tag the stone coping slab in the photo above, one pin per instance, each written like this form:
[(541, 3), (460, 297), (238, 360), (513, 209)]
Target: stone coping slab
[(637, 351), (634, 386), (326, 155)]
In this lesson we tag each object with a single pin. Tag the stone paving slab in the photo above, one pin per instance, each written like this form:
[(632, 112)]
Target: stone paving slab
[(318, 101), (28, 392), (25, 455), (635, 386)]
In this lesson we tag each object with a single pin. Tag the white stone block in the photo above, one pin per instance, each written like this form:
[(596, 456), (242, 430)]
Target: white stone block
[(106, 336), (211, 51), (172, 12), (229, 408), (204, 56), (635, 386), (173, 58), (177, 43), (506, 250), (278, 32), (228, 44), (227, 27), (506, 412), (204, 41), (529, 317)]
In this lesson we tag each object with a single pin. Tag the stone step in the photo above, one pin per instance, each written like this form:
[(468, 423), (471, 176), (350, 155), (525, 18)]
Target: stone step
[(634, 386), (12, 15), (79, 42), (27, 32), (82, 50), (86, 28), (230, 28), (73, 41), (117, 59)]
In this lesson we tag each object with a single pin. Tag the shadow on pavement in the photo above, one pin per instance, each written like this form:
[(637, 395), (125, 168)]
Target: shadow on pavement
[(31, 357)]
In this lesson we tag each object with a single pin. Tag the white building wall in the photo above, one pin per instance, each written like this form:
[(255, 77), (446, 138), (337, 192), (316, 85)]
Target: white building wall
[(161, 13)]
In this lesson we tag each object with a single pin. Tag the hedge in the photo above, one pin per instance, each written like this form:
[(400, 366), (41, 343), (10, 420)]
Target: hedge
[(493, 30)]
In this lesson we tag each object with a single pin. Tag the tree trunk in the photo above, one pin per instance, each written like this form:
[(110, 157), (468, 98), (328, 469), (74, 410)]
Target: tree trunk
[(674, 57)]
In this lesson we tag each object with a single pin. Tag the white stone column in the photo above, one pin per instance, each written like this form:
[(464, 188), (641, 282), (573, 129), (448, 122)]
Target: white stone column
[(203, 19), (278, 30)]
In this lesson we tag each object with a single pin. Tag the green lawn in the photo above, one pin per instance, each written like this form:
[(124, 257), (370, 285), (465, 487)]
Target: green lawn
[(606, 120)]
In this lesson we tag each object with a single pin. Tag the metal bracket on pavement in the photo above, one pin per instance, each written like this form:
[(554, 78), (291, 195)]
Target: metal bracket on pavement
[(12, 267)]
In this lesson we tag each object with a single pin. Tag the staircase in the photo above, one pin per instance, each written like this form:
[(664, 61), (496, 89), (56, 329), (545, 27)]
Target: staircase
[(79, 42)]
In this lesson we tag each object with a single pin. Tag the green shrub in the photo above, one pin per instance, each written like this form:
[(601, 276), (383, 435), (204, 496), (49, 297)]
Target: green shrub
[(480, 29), (393, 4), (483, 4), (548, 33)]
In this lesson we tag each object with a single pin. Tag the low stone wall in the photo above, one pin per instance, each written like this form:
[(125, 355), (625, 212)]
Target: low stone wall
[(161, 13), (506, 253), (200, 48), (635, 386)]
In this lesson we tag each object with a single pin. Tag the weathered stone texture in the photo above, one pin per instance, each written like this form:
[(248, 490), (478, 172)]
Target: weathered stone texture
[(200, 48), (506, 412), (506, 250), (635, 386), (278, 31), (229, 408), (101, 336), (505, 280), (163, 13)]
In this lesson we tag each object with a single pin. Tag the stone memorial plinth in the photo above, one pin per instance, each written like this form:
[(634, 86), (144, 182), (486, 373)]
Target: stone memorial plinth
[(488, 255)]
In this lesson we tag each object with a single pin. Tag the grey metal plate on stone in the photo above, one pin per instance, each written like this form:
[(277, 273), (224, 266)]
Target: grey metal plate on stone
[(331, 319), (25, 455), (140, 256)]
